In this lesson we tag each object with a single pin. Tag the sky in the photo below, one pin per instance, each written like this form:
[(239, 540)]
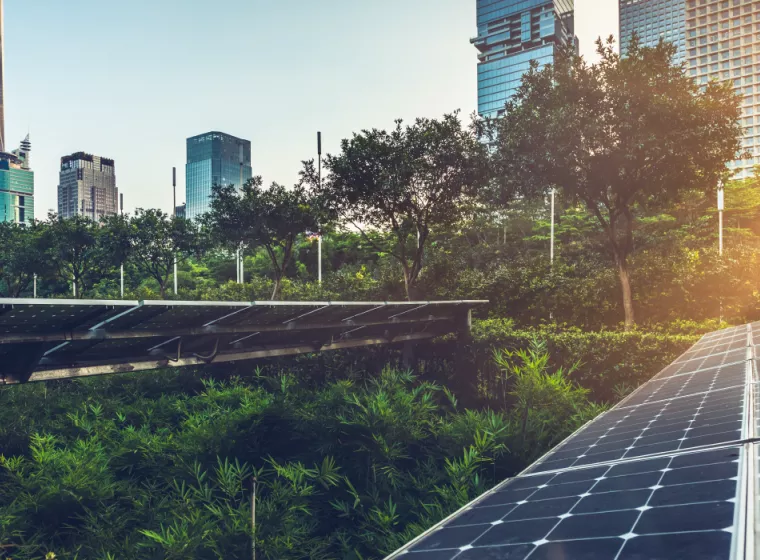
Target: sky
[(132, 80)]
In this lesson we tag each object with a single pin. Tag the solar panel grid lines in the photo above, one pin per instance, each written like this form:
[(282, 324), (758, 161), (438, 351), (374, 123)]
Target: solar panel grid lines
[(685, 503), (91, 337), (706, 402)]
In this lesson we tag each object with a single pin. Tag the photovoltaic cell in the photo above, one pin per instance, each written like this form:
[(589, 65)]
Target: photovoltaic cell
[(684, 384), (677, 506), (681, 423), (697, 364), (660, 475)]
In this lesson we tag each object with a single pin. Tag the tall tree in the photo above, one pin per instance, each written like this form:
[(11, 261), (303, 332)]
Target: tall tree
[(624, 132), (22, 255), (77, 250), (407, 181), (271, 218), (157, 239)]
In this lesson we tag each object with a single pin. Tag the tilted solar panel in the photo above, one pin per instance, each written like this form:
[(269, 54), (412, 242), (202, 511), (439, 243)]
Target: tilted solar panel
[(672, 471), (53, 339)]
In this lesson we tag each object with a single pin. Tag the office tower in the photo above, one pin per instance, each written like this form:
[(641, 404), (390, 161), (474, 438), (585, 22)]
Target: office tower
[(2, 78), (87, 186), (653, 20), (512, 33), (181, 210), (213, 158), (17, 185), (723, 43)]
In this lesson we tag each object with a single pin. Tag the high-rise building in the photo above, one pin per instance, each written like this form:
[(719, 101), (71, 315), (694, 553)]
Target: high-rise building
[(16, 176), (2, 77), (511, 34), (653, 20), (723, 43), (181, 210), (213, 158), (87, 186), (17, 185)]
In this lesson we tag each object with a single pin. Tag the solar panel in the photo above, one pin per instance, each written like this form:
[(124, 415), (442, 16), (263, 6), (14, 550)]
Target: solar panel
[(54, 339), (672, 471)]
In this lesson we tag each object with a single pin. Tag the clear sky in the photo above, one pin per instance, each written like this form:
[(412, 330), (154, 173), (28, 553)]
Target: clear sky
[(130, 80)]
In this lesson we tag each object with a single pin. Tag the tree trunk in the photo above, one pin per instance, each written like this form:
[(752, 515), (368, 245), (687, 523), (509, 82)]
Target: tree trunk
[(162, 289), (625, 285), (276, 291), (410, 284)]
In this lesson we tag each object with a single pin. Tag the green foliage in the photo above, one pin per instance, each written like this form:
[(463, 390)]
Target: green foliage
[(625, 132), (162, 466), (271, 218), (407, 182)]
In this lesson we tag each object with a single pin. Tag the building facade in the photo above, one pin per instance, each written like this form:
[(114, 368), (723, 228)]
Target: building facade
[(511, 34), (723, 43), (87, 186), (17, 185), (653, 20), (213, 158)]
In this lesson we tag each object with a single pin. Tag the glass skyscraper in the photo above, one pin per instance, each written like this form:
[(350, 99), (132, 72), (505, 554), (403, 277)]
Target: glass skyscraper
[(653, 20), (723, 43), (213, 158), (17, 185), (512, 33)]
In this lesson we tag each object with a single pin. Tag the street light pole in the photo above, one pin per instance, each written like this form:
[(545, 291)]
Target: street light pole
[(551, 243), (174, 214), (319, 239), (121, 208), (720, 218)]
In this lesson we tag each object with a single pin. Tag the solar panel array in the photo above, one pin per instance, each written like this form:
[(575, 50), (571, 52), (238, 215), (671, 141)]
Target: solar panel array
[(672, 471), (52, 339)]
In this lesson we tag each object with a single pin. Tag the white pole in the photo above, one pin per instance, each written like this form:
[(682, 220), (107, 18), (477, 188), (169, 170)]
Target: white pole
[(121, 209), (319, 258), (35, 286), (74, 286), (242, 267), (175, 276), (720, 218), (551, 244)]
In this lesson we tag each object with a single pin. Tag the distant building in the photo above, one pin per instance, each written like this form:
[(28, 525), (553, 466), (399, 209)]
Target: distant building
[(87, 186), (181, 210), (17, 185), (511, 34), (213, 158), (653, 20), (723, 43)]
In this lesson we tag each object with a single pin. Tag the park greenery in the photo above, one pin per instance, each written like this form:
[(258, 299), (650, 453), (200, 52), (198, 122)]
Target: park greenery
[(352, 454)]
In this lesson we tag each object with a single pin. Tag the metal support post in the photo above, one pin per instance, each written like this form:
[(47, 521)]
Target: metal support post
[(121, 208), (319, 240), (551, 243), (35, 286), (174, 213)]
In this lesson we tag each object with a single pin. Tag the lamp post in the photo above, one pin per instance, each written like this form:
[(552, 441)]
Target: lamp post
[(551, 242), (121, 209), (174, 214), (319, 238), (720, 217)]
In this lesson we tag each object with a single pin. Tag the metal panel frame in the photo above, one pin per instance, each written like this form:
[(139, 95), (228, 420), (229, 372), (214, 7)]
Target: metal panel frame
[(68, 351)]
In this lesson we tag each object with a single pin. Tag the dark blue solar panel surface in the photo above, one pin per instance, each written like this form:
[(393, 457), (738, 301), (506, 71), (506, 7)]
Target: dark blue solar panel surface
[(655, 508), (657, 476)]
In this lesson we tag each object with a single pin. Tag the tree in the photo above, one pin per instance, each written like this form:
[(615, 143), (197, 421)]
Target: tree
[(22, 255), (622, 133), (408, 181), (77, 250), (270, 218), (157, 239)]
